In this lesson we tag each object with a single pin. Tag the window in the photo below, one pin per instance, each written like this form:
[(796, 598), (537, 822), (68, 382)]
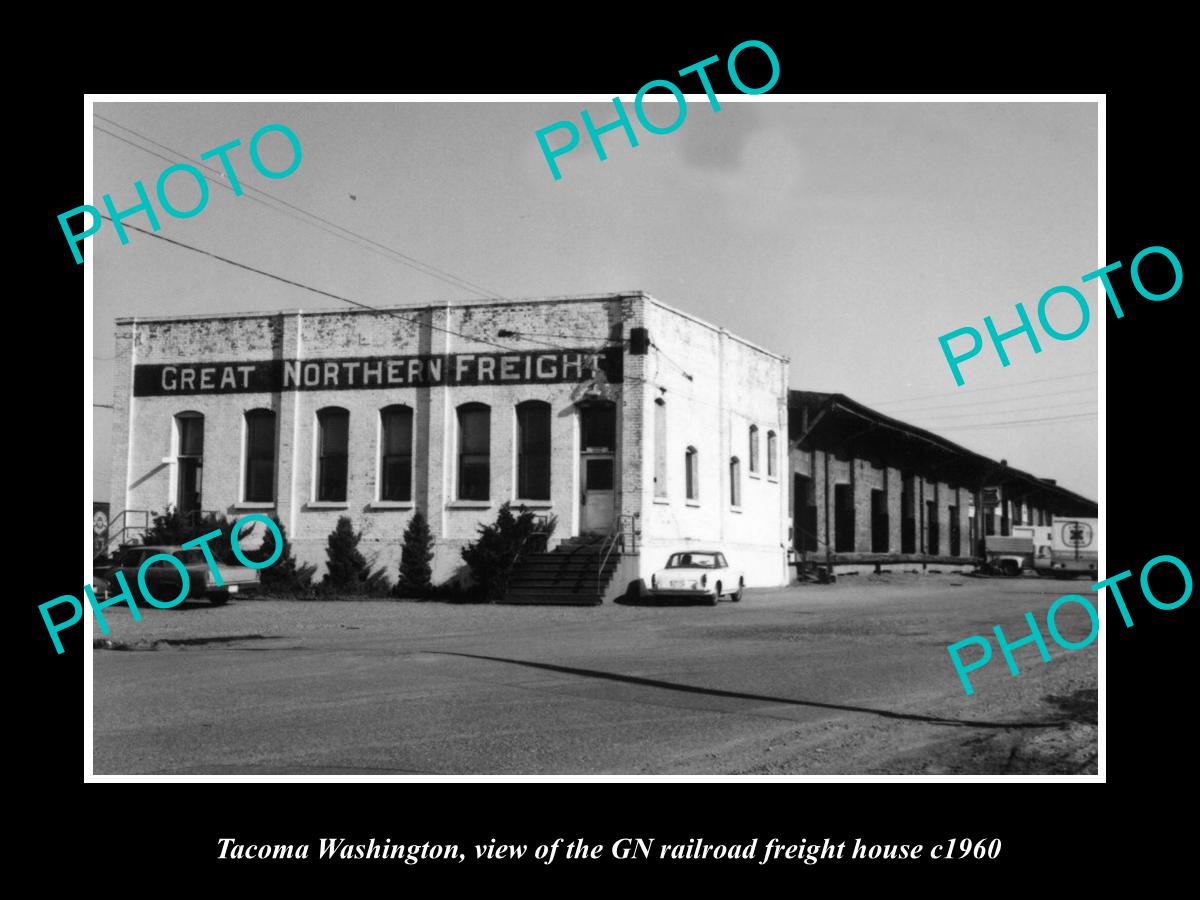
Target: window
[(260, 456), (735, 482), (660, 448), (395, 451), (599, 426), (691, 463), (474, 451), (753, 449), (189, 462), (333, 445), (772, 455), (533, 450), (191, 434)]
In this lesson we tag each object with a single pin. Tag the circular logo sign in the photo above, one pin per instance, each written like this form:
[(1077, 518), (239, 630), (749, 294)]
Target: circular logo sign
[(1076, 534), (100, 522)]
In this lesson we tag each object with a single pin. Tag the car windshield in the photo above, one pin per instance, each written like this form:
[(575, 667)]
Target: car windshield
[(692, 561)]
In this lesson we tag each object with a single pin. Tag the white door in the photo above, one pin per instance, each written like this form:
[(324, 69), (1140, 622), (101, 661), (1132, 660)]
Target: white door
[(597, 466), (598, 492)]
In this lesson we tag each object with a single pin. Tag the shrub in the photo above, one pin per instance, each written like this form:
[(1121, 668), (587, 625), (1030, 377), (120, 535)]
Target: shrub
[(283, 576), (491, 556), (416, 553), (349, 572), (174, 527)]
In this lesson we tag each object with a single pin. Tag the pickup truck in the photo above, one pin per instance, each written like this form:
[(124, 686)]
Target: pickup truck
[(163, 579)]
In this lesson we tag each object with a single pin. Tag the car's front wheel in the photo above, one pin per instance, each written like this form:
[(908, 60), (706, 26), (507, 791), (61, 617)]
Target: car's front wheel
[(737, 597), (716, 595)]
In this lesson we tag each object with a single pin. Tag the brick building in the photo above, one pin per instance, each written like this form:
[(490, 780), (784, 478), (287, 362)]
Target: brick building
[(617, 414), (868, 490)]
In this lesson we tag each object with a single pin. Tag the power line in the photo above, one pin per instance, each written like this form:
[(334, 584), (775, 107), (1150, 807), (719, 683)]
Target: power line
[(567, 337), (220, 182), (686, 373), (1072, 405), (358, 303), (999, 387), (1018, 422), (950, 407), (410, 261), (631, 380), (464, 282)]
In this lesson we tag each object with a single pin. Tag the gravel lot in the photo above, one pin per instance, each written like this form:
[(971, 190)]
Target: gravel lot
[(833, 679)]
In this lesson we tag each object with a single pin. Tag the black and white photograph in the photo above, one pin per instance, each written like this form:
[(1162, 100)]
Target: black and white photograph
[(684, 434)]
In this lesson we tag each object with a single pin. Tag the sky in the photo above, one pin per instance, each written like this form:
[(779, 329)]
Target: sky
[(846, 236)]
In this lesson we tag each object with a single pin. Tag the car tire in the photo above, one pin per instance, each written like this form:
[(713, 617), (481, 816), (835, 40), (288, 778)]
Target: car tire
[(737, 598), (716, 596), (218, 599)]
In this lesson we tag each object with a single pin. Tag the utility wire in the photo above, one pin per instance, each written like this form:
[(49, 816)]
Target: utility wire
[(314, 290), (686, 373), (1019, 422), (999, 387), (1074, 405), (410, 261), (951, 407)]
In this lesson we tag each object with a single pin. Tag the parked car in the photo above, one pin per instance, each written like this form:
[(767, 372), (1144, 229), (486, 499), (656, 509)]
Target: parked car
[(698, 573), (163, 579)]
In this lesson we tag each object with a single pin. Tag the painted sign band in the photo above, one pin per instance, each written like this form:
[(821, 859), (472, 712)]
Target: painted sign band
[(357, 373)]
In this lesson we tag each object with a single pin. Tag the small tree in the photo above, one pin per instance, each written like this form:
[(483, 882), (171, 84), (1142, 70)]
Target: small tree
[(491, 556), (349, 572), (416, 553), (284, 576)]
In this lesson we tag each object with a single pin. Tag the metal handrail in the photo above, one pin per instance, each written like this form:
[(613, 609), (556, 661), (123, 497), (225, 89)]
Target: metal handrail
[(539, 530), (118, 534), (616, 533)]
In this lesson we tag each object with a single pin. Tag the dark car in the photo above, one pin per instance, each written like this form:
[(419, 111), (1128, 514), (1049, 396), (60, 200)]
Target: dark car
[(163, 579)]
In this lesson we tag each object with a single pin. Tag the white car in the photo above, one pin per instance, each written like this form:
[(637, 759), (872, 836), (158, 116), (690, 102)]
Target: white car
[(698, 573)]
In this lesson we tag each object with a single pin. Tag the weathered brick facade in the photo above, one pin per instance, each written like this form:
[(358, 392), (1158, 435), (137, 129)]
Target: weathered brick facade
[(868, 490), (172, 366)]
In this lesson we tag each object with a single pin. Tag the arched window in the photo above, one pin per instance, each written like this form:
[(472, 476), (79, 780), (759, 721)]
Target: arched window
[(333, 448), (735, 482), (533, 450), (190, 461), (772, 455), (753, 449), (660, 447), (260, 457), (691, 462), (395, 452), (474, 451)]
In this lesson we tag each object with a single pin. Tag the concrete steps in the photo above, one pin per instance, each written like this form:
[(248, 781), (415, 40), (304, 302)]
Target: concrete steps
[(570, 575)]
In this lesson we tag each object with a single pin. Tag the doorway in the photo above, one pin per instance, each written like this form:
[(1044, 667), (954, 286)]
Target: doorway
[(598, 463), (804, 502), (908, 516), (879, 522), (843, 518)]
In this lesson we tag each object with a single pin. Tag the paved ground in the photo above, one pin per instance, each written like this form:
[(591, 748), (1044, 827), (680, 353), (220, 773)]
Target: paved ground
[(845, 678)]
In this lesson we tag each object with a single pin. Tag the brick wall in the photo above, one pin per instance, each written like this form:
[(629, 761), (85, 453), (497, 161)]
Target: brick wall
[(725, 371)]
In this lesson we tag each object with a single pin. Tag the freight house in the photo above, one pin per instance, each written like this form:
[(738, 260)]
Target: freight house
[(643, 429)]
